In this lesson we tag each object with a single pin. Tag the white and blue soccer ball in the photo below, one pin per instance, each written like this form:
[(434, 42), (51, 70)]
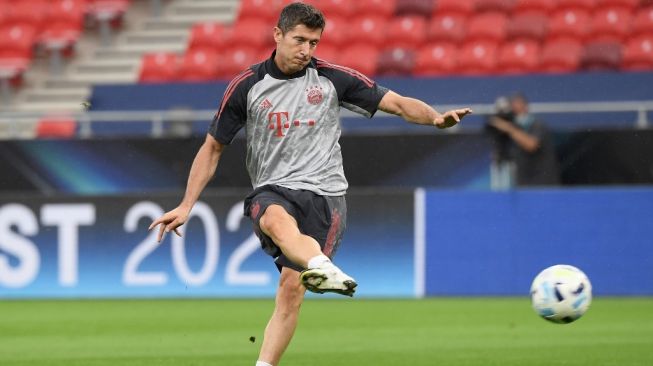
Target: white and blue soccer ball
[(561, 293)]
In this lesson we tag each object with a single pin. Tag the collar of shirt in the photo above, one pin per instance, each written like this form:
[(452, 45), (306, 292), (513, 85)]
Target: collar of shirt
[(276, 73)]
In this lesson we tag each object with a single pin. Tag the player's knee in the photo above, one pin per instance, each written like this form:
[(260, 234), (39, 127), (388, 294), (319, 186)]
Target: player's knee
[(291, 296), (274, 221)]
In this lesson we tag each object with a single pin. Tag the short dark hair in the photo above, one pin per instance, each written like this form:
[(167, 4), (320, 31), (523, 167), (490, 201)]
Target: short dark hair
[(300, 13)]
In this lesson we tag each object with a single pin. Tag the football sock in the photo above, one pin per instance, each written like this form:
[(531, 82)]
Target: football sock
[(261, 363), (318, 261)]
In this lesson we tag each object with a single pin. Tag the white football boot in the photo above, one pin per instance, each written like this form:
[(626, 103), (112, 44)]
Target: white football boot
[(328, 278)]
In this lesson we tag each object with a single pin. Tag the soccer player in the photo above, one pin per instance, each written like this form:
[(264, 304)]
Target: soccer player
[(289, 105)]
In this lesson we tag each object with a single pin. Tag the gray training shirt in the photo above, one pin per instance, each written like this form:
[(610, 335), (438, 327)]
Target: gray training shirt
[(292, 122)]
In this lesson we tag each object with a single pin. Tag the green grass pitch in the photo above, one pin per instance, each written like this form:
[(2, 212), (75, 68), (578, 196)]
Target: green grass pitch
[(437, 331)]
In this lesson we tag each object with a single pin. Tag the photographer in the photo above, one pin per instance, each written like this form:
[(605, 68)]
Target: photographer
[(502, 168), (531, 145)]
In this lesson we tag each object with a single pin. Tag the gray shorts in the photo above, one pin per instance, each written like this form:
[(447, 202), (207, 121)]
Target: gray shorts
[(323, 218)]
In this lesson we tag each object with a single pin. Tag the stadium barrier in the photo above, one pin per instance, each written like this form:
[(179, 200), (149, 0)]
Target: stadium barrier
[(398, 244)]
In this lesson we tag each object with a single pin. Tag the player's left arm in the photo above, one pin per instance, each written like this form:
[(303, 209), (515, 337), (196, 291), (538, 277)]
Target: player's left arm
[(415, 111)]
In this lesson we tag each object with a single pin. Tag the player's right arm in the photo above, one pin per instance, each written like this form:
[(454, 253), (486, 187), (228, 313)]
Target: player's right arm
[(203, 168)]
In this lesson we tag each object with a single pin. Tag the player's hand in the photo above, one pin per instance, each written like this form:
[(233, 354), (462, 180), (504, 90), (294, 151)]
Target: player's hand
[(170, 221), (451, 118)]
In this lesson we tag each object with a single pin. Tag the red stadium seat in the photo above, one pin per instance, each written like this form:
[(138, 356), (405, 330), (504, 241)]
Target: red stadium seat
[(519, 57), (64, 26), (336, 32), (253, 33), (436, 59), (159, 67), (562, 55), (643, 23), (463, 7), (264, 10), (540, 6), (199, 65), (360, 58), (587, 5), (611, 24), (422, 8), (448, 27), (601, 56), (17, 42), (56, 127), (396, 61), (570, 23), (335, 8), (369, 30), (487, 26), (30, 13), (528, 26), (238, 59), (502, 6), (478, 57), (209, 35), (405, 32), (638, 54), (382, 8)]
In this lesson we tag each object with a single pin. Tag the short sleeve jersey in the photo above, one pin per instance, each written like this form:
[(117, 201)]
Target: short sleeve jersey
[(292, 122)]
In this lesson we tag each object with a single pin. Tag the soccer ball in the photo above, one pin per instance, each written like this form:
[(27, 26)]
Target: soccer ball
[(561, 293)]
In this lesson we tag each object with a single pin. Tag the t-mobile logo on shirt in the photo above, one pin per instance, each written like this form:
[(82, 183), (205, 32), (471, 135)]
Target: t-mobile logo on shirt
[(279, 122)]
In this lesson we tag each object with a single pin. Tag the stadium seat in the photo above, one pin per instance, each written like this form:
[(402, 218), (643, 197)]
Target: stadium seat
[(519, 57), (56, 127), (478, 57), (199, 65), (405, 32), (382, 8), (264, 10), (159, 67), (448, 27), (638, 54), (30, 13), (643, 23), (462, 7), (601, 56), (561, 55), (254, 33), (335, 8), (361, 58), (64, 26), (414, 8), (501, 6), (237, 59), (436, 59), (209, 35), (611, 24), (527, 25), (487, 26), (369, 30), (336, 32), (17, 41), (569, 23), (539, 6), (396, 61)]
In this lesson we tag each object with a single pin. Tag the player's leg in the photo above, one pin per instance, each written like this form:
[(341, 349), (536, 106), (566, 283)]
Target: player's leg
[(321, 274), (283, 322), (283, 230)]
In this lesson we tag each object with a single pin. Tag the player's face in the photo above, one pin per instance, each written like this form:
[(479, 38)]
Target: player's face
[(296, 47)]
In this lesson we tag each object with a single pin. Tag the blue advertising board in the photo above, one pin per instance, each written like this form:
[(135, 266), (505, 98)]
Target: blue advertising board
[(485, 243), (100, 247)]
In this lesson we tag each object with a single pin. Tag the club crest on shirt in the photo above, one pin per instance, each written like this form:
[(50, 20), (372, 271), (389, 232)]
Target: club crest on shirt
[(314, 95)]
